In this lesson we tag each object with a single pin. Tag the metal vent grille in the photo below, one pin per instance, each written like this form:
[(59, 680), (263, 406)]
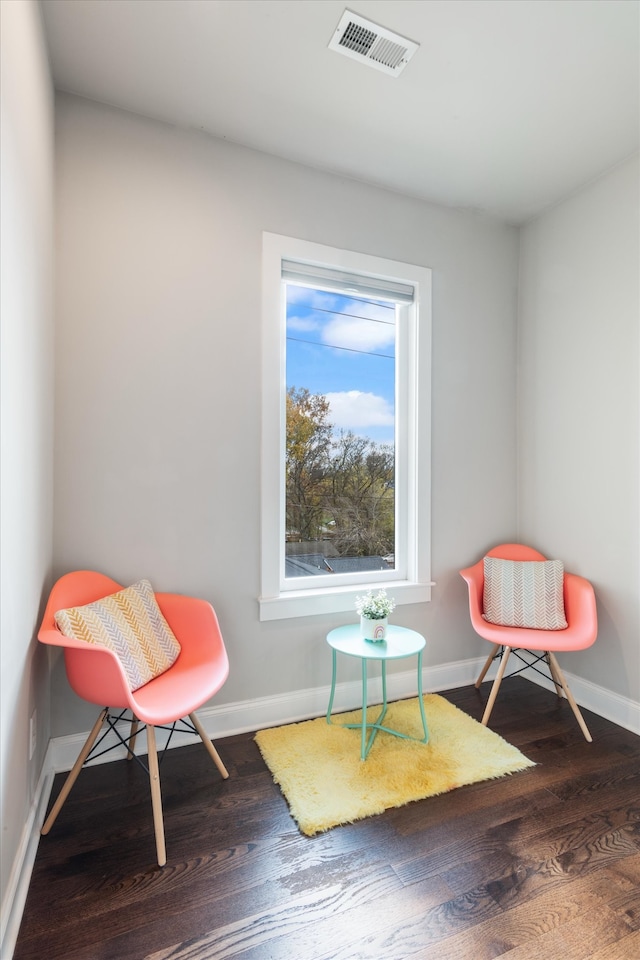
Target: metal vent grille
[(357, 38), (365, 41)]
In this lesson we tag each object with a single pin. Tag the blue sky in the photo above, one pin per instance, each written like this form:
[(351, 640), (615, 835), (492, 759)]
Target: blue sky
[(344, 347)]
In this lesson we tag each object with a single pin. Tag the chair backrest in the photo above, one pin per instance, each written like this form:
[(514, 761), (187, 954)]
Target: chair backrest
[(579, 603), (74, 590), (94, 672), (515, 551)]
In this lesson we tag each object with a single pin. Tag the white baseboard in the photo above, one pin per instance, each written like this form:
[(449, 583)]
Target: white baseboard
[(18, 886), (612, 706), (245, 715), (248, 715)]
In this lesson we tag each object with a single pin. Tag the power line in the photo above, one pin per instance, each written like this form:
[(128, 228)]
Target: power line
[(352, 316), (334, 346), (376, 303)]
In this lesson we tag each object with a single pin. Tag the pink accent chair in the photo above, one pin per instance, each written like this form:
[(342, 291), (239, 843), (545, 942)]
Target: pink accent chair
[(96, 675), (581, 632)]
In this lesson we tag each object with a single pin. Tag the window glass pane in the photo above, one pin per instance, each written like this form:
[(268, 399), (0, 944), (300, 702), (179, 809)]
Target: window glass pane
[(340, 432)]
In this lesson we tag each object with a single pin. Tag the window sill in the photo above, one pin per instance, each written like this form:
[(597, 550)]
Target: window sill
[(310, 603)]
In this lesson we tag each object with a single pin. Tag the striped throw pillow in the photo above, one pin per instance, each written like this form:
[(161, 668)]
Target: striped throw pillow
[(524, 593), (131, 624)]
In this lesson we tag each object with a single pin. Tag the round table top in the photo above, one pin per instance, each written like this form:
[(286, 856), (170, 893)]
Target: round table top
[(399, 642)]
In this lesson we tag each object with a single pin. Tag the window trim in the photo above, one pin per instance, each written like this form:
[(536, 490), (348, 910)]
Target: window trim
[(274, 601)]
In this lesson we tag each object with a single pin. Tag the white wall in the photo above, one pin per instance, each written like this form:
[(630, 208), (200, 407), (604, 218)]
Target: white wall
[(26, 475), (579, 425), (157, 467)]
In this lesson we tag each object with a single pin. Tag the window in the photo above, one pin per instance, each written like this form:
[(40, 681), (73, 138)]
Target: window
[(346, 389)]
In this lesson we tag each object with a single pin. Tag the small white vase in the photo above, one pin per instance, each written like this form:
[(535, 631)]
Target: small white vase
[(375, 630)]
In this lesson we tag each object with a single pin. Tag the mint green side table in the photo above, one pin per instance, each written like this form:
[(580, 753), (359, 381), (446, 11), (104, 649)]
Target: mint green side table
[(400, 642)]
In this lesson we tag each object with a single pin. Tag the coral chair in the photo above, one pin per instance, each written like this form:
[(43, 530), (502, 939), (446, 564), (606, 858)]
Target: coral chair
[(96, 674), (580, 632)]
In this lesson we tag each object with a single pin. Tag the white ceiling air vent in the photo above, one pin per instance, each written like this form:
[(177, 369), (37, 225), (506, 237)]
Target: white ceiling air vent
[(365, 41)]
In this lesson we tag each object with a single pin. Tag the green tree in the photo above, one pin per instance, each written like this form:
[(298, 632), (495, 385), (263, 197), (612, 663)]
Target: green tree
[(360, 496), (337, 482), (307, 451)]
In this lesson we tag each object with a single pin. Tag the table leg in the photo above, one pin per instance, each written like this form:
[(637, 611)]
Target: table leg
[(363, 745), (384, 691), (420, 700), (377, 724), (333, 687)]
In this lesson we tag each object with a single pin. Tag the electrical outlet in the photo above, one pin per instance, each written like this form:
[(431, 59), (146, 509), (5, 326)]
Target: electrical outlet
[(33, 726)]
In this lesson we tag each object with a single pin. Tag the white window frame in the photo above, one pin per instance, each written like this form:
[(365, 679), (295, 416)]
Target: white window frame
[(410, 581)]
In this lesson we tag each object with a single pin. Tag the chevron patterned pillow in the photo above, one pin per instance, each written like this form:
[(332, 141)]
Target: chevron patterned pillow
[(131, 624), (524, 593)]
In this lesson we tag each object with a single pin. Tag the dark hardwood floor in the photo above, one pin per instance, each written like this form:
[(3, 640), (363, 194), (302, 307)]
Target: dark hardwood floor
[(540, 865)]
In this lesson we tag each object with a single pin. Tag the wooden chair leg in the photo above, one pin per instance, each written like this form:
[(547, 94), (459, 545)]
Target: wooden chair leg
[(132, 737), (496, 686), (213, 753), (73, 774), (574, 706), (488, 663), (156, 796), (554, 676)]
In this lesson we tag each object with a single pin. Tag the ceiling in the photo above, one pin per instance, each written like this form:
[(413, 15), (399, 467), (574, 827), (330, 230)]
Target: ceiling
[(507, 107)]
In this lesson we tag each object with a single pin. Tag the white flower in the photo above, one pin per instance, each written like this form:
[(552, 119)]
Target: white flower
[(375, 607)]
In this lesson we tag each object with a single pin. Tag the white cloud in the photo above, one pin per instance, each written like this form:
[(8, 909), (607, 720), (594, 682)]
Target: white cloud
[(311, 298), (358, 334), (373, 311), (302, 324), (354, 409)]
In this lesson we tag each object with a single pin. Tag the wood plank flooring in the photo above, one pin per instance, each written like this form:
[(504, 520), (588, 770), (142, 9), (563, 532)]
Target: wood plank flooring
[(540, 865)]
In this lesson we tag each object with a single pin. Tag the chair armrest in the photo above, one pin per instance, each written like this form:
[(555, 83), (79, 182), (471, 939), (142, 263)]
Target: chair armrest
[(580, 610), (195, 625), (474, 577), (94, 672)]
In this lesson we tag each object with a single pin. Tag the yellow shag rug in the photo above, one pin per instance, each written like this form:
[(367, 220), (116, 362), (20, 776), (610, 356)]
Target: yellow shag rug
[(318, 767)]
